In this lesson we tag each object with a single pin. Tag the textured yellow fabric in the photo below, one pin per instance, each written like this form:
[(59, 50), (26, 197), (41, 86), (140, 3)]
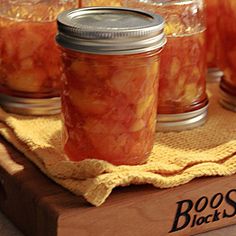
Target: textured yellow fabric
[(177, 158)]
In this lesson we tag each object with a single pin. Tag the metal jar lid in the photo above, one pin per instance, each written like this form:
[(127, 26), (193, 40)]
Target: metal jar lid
[(227, 100), (182, 121), (110, 30), (30, 106)]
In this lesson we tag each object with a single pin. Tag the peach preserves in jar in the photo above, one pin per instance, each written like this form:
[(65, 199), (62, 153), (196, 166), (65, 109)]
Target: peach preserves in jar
[(111, 65), (182, 99), (29, 57)]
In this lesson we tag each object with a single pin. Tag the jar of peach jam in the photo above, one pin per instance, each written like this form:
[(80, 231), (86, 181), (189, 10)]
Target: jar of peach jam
[(111, 65), (182, 102), (227, 26), (213, 40), (29, 58)]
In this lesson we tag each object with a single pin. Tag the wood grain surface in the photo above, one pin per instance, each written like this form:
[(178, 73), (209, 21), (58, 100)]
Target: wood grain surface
[(40, 207), (8, 229)]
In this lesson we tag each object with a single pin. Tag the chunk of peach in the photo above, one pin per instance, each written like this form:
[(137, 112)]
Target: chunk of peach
[(191, 93), (87, 103), (173, 27), (29, 42), (143, 105), (202, 39), (175, 68), (9, 49), (98, 126), (178, 87), (110, 147), (137, 125), (130, 82), (152, 121), (120, 81), (82, 70), (102, 72), (27, 80), (152, 69), (151, 82)]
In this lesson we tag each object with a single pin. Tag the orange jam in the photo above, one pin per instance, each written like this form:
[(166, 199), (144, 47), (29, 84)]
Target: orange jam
[(109, 106), (29, 58), (182, 79), (111, 72), (183, 61)]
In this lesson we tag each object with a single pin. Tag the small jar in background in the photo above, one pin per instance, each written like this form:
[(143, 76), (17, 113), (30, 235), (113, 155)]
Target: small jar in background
[(29, 57), (227, 29), (109, 98), (182, 101), (213, 40), (93, 3)]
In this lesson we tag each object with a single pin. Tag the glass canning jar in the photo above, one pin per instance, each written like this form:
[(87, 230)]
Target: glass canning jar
[(182, 101), (111, 65), (213, 40), (227, 27), (29, 57)]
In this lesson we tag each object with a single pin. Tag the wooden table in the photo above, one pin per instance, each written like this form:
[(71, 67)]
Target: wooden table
[(40, 207)]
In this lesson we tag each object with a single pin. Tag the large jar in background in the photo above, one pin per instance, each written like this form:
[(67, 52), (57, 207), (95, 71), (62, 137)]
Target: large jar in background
[(93, 3), (182, 102), (29, 57), (213, 40), (109, 99), (227, 27)]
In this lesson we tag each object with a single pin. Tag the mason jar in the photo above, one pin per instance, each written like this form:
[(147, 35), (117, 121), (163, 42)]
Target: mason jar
[(111, 65), (213, 40), (182, 101), (29, 57), (227, 27)]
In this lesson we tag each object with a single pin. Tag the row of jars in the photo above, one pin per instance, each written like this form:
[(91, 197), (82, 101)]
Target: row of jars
[(108, 70), (220, 38)]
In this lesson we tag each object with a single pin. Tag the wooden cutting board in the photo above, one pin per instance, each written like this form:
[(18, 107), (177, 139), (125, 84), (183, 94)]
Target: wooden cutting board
[(39, 207)]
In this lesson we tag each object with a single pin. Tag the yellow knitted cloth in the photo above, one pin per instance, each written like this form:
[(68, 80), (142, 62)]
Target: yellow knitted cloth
[(177, 158)]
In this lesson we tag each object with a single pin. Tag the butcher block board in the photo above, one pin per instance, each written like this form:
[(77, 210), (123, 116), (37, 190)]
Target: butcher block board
[(39, 207)]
